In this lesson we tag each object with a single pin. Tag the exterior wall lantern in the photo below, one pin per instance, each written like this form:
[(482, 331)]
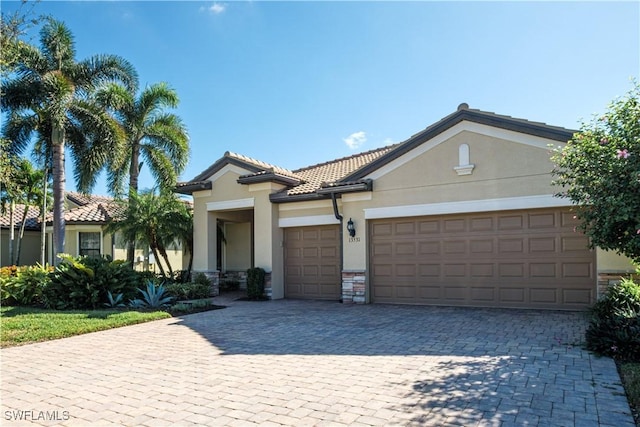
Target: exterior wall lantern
[(350, 228)]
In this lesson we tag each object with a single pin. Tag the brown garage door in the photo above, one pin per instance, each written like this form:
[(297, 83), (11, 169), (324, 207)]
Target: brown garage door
[(508, 259), (312, 262)]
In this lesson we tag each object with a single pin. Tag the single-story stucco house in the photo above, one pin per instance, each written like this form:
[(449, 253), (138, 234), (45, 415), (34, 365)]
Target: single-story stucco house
[(85, 216), (462, 213)]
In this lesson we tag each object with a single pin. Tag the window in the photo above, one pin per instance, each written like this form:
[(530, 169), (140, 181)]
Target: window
[(90, 244)]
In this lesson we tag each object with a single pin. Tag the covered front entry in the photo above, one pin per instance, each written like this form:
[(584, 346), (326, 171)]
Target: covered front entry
[(530, 259), (312, 262)]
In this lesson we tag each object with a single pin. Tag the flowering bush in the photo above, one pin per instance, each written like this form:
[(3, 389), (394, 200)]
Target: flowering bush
[(599, 171)]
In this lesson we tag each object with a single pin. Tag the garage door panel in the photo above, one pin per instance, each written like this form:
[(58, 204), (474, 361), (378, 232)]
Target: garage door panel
[(481, 246), (542, 244), (428, 227), (577, 243), (576, 269), (510, 222), (482, 294), (512, 295), (515, 259), (455, 247), (547, 269), (482, 224), (454, 225), (576, 296), (481, 270), (455, 270), (542, 220), (312, 262), (511, 245), (429, 270)]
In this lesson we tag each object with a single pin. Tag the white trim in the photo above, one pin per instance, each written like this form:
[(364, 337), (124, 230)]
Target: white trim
[(464, 170), (295, 206), (356, 197), (201, 193), (228, 168), (487, 205), (508, 135), (228, 205), (303, 221)]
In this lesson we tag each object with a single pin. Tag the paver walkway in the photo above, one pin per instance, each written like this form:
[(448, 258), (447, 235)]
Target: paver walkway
[(317, 363)]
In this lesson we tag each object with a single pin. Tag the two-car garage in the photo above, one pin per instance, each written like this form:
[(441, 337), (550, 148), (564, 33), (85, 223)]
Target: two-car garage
[(532, 259)]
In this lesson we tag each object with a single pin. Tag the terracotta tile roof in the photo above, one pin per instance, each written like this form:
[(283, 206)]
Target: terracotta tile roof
[(32, 222), (92, 213), (263, 166), (355, 168), (335, 170), (85, 199)]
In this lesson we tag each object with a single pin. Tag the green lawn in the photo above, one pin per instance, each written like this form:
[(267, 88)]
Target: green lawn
[(24, 325)]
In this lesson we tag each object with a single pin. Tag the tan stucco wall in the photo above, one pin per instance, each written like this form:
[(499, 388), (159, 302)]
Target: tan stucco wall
[(502, 169), (609, 261), (30, 248), (238, 246)]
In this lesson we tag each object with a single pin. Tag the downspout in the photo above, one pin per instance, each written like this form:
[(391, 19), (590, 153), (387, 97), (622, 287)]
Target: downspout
[(339, 218)]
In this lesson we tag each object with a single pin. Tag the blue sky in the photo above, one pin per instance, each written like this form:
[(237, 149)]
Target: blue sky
[(298, 83)]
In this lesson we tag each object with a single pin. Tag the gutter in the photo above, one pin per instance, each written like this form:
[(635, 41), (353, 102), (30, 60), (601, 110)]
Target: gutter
[(339, 218)]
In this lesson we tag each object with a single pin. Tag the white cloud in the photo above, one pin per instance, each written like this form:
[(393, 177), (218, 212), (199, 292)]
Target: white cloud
[(356, 139), (215, 8)]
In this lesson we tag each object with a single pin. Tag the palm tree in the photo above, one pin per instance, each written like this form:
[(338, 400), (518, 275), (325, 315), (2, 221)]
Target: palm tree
[(156, 220), (25, 188), (153, 136), (50, 96)]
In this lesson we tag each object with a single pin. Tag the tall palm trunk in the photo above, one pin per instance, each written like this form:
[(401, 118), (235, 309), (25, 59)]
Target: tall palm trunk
[(57, 139), (43, 231), (133, 187), (12, 231), (21, 233)]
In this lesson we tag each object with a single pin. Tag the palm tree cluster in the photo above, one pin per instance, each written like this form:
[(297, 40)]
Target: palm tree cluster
[(93, 110)]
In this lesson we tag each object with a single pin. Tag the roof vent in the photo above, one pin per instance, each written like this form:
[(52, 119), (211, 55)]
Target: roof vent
[(463, 106)]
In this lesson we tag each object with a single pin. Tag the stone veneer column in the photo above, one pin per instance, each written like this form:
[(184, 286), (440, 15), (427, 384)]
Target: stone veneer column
[(353, 286), (612, 278), (268, 292), (214, 279)]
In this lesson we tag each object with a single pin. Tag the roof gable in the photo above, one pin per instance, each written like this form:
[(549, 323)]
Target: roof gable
[(308, 182)]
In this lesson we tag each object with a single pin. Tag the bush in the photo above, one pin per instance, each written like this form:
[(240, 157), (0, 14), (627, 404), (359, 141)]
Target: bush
[(255, 283), (614, 329), (186, 291), (83, 282), (23, 285)]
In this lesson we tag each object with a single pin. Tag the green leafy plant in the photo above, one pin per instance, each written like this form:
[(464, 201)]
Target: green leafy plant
[(255, 283), (153, 297), (186, 291), (614, 328), (83, 282), (23, 285)]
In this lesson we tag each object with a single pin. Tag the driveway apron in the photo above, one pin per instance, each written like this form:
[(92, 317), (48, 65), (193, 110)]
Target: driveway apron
[(319, 363)]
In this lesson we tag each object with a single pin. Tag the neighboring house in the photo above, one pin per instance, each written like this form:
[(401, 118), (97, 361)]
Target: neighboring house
[(462, 213), (30, 251), (85, 216)]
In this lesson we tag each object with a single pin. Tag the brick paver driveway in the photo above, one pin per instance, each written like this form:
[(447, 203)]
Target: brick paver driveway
[(315, 363)]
